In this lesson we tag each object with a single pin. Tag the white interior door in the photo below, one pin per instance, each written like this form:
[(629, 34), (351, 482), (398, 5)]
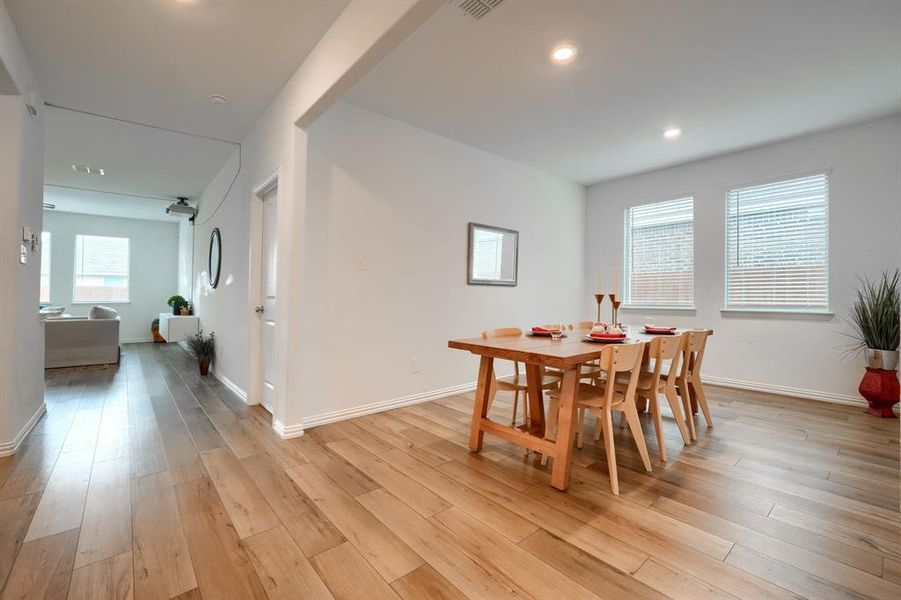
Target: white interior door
[(267, 317)]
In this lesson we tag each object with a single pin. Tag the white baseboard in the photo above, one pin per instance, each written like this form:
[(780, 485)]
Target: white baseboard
[(785, 390), (286, 432), (10, 448), (230, 385)]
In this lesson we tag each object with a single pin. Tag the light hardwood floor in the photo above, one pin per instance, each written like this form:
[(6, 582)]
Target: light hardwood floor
[(146, 481)]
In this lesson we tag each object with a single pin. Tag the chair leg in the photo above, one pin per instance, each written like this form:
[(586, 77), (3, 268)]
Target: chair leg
[(515, 406), (526, 418), (631, 413), (580, 432), (702, 402), (686, 404), (606, 420), (658, 425), (670, 394)]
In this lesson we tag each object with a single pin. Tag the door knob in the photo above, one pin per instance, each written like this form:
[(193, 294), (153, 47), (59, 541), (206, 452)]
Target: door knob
[(258, 309)]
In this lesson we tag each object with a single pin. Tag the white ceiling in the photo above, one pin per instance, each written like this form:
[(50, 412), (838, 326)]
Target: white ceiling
[(730, 74), (156, 62), (136, 160), (110, 205)]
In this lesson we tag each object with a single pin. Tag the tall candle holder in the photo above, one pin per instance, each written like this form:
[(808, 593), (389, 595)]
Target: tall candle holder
[(599, 298), (616, 302)]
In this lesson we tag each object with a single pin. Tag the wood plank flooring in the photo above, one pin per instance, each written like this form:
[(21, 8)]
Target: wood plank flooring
[(147, 481)]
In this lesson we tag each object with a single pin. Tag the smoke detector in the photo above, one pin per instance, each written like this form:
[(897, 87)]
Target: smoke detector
[(478, 8), (218, 99)]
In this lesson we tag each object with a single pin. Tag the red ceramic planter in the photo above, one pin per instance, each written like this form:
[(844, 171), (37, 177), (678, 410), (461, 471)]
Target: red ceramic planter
[(882, 391)]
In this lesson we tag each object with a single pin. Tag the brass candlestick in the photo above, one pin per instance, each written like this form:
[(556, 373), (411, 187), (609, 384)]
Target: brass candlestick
[(599, 298), (616, 302)]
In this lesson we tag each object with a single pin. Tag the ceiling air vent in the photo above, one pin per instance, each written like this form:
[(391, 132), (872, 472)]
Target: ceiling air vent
[(87, 170), (478, 8)]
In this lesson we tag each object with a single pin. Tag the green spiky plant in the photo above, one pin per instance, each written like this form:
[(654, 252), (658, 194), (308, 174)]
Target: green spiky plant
[(875, 313), (202, 347)]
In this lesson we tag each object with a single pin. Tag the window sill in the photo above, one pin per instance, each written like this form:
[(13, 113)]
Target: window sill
[(670, 310), (100, 302), (763, 313)]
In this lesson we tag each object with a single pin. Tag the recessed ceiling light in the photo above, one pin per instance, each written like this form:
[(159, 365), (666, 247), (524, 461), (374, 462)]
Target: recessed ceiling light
[(218, 99), (563, 53), (672, 133)]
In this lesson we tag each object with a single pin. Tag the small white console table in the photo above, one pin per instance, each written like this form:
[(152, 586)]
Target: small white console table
[(175, 328)]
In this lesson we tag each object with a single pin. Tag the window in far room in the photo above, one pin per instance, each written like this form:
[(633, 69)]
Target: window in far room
[(659, 254), (101, 269)]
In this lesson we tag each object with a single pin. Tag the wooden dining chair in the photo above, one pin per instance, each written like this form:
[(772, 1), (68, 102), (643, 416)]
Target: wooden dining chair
[(688, 382), (590, 370), (652, 383), (517, 382), (603, 399)]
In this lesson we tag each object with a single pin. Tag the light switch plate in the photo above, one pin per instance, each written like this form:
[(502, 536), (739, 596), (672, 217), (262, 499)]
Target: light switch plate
[(23, 254), (26, 234)]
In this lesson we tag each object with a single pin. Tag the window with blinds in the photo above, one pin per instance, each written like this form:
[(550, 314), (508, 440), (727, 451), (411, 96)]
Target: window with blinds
[(777, 245), (101, 269), (45, 267), (659, 254)]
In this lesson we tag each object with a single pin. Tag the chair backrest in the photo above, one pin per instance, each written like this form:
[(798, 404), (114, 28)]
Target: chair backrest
[(505, 332), (621, 358), (663, 348), (501, 332), (693, 351)]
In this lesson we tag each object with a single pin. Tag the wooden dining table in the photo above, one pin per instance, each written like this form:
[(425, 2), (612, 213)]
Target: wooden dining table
[(537, 352)]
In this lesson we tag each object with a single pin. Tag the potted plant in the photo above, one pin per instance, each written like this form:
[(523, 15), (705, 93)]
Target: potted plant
[(874, 315), (203, 348), (176, 302)]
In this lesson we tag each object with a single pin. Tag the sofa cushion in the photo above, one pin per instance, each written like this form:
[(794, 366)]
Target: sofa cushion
[(103, 312)]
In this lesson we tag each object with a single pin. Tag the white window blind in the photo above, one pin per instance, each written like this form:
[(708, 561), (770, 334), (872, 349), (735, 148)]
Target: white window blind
[(101, 269), (659, 254), (45, 267), (777, 245)]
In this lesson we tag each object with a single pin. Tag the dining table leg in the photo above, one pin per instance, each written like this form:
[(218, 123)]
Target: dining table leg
[(484, 387), (534, 376), (566, 428)]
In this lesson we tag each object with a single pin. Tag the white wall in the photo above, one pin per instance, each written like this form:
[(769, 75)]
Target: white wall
[(185, 258), (398, 200), (153, 250), (864, 239), (21, 184), (363, 34)]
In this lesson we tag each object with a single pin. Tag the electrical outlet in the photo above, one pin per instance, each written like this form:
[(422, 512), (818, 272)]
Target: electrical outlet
[(414, 365)]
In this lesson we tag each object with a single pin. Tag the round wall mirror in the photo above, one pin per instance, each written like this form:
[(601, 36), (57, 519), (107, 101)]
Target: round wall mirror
[(215, 257)]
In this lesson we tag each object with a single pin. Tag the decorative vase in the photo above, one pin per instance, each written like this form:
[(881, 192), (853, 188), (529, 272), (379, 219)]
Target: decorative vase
[(204, 365), (184, 311), (881, 389), (882, 359)]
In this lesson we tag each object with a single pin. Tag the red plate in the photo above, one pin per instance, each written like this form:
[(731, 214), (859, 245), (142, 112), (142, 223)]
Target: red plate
[(606, 340), (660, 330)]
